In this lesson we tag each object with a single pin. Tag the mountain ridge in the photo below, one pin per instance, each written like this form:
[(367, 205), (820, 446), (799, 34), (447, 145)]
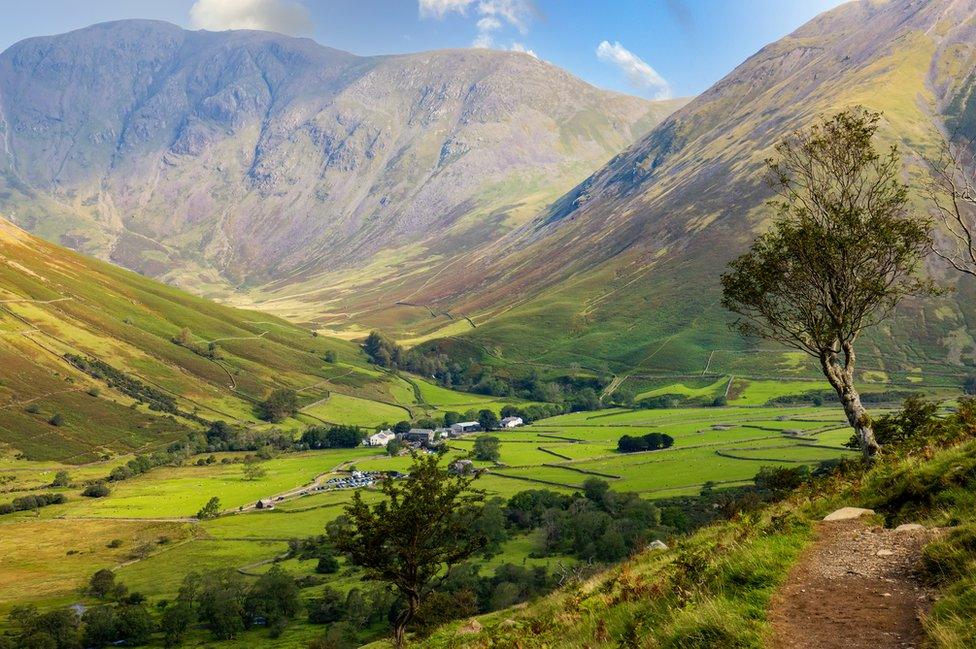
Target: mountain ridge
[(247, 156)]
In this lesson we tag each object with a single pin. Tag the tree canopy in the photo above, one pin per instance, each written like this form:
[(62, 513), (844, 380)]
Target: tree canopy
[(414, 536), (842, 251)]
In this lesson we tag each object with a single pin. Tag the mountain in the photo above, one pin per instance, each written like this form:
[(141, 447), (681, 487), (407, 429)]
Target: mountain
[(623, 271), (96, 360), (229, 160)]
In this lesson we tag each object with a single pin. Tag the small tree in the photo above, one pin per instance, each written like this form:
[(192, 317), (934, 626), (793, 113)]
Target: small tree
[(487, 448), (841, 254), (96, 490), (415, 535), (61, 479), (393, 447), (210, 510), (102, 585), (253, 470), (280, 405), (953, 196), (488, 420)]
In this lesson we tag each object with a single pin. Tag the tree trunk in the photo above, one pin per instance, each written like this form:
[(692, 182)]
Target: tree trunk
[(403, 619), (842, 380), (858, 417)]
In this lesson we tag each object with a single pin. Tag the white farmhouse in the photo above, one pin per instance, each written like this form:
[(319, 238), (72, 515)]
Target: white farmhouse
[(381, 438), (510, 422)]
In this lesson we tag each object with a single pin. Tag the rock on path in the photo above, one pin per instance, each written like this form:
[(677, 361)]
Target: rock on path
[(855, 587)]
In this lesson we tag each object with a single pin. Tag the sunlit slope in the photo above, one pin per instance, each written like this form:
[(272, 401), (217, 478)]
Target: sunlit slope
[(56, 305), (623, 271), (225, 162)]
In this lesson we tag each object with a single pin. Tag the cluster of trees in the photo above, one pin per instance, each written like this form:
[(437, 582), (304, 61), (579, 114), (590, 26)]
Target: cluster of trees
[(469, 375), (221, 436), (120, 618), (280, 404), (156, 399), (146, 462), (228, 604), (320, 437), (648, 442), (28, 503), (598, 524)]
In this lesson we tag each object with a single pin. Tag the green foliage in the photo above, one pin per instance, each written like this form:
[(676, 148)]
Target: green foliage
[(280, 404), (487, 448), (252, 470), (124, 383), (273, 597), (61, 479), (841, 254), (28, 503), (393, 447), (103, 585), (419, 529), (96, 490), (210, 510), (648, 442), (332, 437), (780, 481), (488, 420)]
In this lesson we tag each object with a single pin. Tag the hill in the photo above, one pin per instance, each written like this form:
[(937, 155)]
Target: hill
[(781, 575), (239, 159), (621, 274), (98, 361)]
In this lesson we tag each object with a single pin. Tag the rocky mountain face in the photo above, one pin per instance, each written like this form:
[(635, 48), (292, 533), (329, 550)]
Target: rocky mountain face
[(240, 158), (623, 270)]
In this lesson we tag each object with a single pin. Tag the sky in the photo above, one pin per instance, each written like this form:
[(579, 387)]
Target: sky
[(651, 48)]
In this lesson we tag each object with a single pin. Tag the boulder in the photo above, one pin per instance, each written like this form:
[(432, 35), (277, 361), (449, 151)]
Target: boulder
[(909, 527), (657, 545), (474, 626), (847, 513)]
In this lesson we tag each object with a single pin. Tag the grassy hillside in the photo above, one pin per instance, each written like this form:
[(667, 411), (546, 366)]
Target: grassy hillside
[(621, 274), (714, 588), (56, 305)]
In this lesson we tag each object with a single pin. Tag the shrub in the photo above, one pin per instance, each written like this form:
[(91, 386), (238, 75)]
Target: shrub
[(61, 479), (57, 419), (280, 405), (96, 490), (210, 510)]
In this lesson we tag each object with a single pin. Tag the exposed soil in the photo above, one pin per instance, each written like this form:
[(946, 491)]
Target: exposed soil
[(856, 586)]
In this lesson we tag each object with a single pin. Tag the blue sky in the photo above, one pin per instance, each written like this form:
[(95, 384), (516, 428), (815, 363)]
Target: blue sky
[(654, 48)]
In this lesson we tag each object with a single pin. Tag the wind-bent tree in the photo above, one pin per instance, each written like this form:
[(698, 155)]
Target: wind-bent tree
[(953, 194), (841, 253), (414, 536)]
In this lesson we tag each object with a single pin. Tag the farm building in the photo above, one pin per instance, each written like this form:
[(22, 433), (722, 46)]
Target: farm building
[(418, 436), (466, 427), (461, 467), (381, 438), (510, 422)]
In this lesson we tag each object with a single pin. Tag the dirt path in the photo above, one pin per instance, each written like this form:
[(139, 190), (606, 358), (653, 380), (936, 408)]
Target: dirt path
[(855, 587)]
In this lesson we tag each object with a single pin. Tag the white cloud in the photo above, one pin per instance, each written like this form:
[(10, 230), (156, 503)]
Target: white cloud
[(517, 13), (284, 16), (488, 23), (518, 47), (638, 72), (492, 15), (440, 8)]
